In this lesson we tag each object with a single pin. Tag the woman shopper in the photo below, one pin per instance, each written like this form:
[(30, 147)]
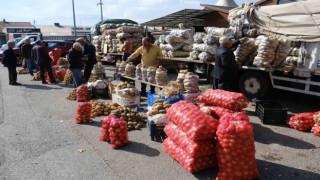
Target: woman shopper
[(75, 63)]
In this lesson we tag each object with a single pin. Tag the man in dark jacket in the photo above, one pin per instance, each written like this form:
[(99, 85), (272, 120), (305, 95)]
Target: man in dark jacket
[(225, 72), (26, 55), (89, 51), (9, 60), (75, 63), (42, 58)]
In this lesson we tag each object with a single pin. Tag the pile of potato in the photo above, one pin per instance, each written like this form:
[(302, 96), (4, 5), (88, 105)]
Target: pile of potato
[(36, 77), (124, 85), (72, 95), (62, 62), (160, 106), (93, 78), (102, 108), (22, 71), (68, 78)]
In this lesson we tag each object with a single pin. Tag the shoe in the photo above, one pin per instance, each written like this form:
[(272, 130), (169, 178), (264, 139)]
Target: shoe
[(54, 82), (44, 82), (16, 84)]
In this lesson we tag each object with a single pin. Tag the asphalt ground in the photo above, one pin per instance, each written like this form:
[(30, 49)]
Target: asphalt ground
[(39, 140)]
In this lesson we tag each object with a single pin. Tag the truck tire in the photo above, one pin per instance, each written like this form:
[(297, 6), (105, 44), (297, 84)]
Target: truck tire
[(254, 85)]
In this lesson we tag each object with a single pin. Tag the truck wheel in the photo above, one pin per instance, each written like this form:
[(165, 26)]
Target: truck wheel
[(254, 85)]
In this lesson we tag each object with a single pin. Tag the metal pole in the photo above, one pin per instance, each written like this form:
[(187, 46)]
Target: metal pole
[(101, 9), (74, 20)]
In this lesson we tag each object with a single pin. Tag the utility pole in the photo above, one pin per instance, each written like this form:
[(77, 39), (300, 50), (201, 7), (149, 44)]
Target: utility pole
[(74, 20), (101, 9)]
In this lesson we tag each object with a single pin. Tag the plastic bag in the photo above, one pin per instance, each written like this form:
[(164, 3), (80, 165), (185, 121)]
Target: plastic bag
[(192, 165), (172, 39), (171, 47), (206, 57), (139, 71), (161, 76), (211, 39), (215, 31), (130, 70), (245, 50), (82, 93), (83, 114), (196, 124), (178, 54), (194, 55), (205, 48), (98, 69), (192, 148), (302, 121), (190, 82), (151, 75), (316, 130), (230, 100), (105, 136), (236, 151), (159, 119), (267, 47), (180, 33), (118, 132), (198, 37)]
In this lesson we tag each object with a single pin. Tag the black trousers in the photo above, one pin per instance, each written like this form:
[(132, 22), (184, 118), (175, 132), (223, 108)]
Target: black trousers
[(87, 71), (144, 88), (12, 75), (43, 68), (227, 85)]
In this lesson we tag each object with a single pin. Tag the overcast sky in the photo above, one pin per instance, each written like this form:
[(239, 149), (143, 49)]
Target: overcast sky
[(88, 13)]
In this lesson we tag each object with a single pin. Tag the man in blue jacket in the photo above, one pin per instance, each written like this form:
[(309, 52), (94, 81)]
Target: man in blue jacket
[(9, 60)]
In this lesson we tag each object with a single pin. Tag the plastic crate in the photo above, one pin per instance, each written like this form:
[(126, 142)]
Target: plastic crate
[(156, 132), (154, 97), (271, 112)]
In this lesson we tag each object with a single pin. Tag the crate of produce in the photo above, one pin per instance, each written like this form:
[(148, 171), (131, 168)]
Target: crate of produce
[(131, 101), (154, 97), (156, 132), (271, 112)]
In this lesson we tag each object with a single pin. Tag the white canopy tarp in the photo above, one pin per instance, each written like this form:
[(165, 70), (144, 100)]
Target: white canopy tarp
[(298, 21)]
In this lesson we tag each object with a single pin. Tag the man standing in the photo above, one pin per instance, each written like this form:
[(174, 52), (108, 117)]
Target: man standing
[(89, 52), (225, 72), (126, 49), (9, 60), (42, 58), (26, 55), (149, 53)]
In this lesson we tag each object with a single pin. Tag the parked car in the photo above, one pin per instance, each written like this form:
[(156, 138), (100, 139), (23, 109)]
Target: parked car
[(65, 46)]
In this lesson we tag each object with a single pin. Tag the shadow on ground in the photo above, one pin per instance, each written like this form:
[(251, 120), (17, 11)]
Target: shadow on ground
[(265, 135), (41, 87), (140, 148)]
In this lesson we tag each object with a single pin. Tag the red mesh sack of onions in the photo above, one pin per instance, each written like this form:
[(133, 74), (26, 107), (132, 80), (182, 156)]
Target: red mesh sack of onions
[(226, 99), (238, 116), (215, 111), (191, 120), (316, 117), (191, 164), (302, 121), (235, 151), (192, 148), (316, 129), (105, 129), (82, 93), (83, 114), (118, 132)]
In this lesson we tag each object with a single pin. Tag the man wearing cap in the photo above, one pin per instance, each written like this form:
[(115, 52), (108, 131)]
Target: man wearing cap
[(225, 72), (89, 53), (9, 60), (41, 56), (26, 54)]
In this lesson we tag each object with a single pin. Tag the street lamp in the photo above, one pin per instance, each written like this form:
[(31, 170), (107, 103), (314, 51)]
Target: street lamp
[(74, 20), (101, 9)]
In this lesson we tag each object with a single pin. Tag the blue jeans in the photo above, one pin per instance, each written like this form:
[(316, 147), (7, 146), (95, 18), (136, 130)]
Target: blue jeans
[(30, 64), (77, 77)]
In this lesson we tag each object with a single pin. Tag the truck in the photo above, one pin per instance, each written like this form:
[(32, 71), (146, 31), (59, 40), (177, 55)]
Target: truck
[(294, 21)]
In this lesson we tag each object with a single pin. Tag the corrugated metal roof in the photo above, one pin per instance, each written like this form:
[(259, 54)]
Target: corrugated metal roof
[(191, 17), (216, 8), (4, 24)]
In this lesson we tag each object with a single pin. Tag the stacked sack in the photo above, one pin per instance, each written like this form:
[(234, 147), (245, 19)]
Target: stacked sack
[(218, 102), (306, 122), (108, 35), (267, 47), (161, 76), (176, 44), (133, 33), (114, 130), (82, 93), (235, 148), (97, 43), (83, 113), (191, 83), (246, 52), (191, 137)]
